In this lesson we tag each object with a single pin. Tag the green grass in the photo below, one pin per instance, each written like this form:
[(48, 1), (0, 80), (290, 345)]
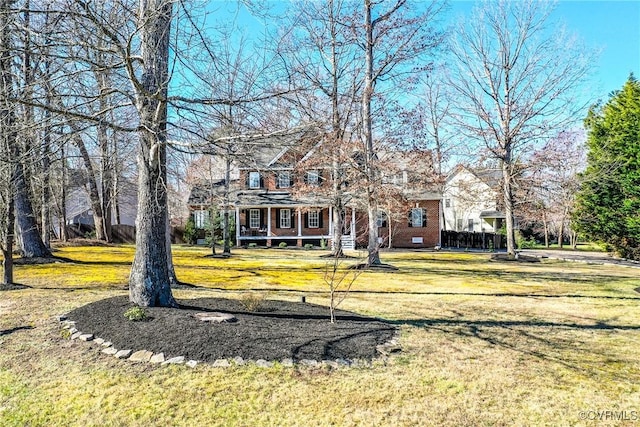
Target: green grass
[(484, 343)]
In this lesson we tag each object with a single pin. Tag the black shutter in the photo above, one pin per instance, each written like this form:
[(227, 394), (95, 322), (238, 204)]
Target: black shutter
[(424, 217), (306, 177), (277, 218), (306, 220), (320, 215), (261, 181), (290, 179), (246, 183), (294, 214), (410, 218)]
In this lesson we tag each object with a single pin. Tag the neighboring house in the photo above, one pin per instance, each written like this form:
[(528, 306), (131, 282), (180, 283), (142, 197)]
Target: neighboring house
[(471, 200), (268, 210), (79, 212)]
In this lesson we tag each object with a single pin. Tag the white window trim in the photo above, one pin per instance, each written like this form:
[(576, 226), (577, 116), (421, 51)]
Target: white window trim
[(313, 177), (381, 217), (254, 182), (254, 218), (417, 213), (313, 219), (284, 179), (285, 218)]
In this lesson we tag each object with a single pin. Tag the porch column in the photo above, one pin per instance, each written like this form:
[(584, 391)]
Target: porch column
[(269, 221), (353, 224), (299, 222), (330, 221), (237, 226)]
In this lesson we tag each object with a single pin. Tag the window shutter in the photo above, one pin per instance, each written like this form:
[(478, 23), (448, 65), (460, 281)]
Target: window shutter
[(306, 220), (306, 177), (410, 219), (320, 212), (290, 179), (294, 215), (277, 177), (277, 218), (246, 181), (424, 217)]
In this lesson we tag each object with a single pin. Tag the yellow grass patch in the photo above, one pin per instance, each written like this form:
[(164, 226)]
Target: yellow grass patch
[(484, 343)]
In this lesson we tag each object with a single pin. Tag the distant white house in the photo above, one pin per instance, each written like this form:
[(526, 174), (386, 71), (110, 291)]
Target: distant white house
[(471, 200)]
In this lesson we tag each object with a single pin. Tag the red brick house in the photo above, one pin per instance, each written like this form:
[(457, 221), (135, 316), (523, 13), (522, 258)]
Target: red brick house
[(268, 210)]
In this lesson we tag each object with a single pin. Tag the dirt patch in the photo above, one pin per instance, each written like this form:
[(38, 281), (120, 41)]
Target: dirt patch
[(280, 330)]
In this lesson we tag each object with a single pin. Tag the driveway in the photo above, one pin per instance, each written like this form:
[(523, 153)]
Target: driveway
[(580, 256)]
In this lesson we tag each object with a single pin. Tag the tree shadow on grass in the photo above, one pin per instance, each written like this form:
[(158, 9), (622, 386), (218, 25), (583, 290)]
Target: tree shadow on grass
[(556, 342), (16, 329)]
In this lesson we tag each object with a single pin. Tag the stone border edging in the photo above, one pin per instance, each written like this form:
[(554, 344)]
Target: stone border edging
[(146, 356)]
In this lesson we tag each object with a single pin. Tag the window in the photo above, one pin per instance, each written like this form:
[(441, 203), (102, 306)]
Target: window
[(314, 219), (447, 203), (254, 218), (381, 220), (284, 179), (201, 218), (254, 180), (459, 224), (470, 224), (313, 177), (417, 218), (285, 218)]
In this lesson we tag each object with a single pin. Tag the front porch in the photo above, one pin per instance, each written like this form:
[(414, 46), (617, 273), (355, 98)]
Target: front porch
[(269, 226)]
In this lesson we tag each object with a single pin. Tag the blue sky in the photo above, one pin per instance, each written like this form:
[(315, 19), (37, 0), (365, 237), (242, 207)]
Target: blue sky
[(612, 27)]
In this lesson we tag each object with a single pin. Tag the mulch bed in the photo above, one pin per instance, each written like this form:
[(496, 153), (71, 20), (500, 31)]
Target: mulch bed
[(280, 330)]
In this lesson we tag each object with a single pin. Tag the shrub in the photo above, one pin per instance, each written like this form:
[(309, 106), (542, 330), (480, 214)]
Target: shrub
[(253, 245), (282, 245), (135, 314), (190, 231), (253, 301), (308, 246)]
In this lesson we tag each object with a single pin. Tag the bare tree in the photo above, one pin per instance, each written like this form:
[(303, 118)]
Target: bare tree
[(552, 183), (149, 283), (392, 41), (8, 142), (515, 80), (321, 51)]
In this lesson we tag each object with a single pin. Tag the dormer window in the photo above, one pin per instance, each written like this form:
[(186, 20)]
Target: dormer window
[(284, 179), (254, 180)]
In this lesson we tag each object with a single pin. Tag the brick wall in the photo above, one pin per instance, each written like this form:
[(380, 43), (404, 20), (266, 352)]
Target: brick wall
[(404, 236)]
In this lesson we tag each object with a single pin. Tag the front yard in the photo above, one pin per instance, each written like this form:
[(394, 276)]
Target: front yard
[(483, 343)]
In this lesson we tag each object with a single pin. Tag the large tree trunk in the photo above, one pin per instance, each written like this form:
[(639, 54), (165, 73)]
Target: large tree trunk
[(31, 241), (507, 189), (8, 143), (372, 208), (149, 282)]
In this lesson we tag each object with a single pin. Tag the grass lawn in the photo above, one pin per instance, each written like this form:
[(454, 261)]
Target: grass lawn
[(484, 343)]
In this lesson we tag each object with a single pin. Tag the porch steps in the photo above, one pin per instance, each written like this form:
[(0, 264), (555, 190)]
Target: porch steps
[(347, 242)]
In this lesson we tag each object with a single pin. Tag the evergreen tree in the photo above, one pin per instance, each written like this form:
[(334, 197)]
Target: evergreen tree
[(608, 204)]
